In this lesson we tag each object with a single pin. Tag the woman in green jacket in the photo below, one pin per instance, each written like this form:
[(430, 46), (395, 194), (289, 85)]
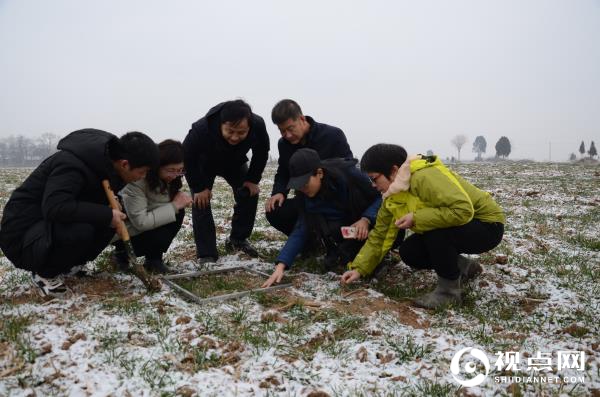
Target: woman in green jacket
[(448, 217)]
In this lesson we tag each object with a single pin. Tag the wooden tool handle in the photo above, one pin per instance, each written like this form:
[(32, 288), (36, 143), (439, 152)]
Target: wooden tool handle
[(114, 204)]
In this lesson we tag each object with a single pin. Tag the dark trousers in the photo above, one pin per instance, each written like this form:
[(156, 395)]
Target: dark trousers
[(439, 249), (284, 218), (242, 223), (152, 244), (72, 244)]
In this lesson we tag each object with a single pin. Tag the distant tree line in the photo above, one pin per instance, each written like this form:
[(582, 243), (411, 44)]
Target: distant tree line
[(22, 151), (503, 146), (592, 152)]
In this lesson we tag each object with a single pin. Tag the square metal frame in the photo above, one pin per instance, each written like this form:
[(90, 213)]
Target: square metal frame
[(167, 279)]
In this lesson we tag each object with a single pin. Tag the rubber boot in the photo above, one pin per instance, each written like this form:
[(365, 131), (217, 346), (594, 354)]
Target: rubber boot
[(446, 292), (469, 269)]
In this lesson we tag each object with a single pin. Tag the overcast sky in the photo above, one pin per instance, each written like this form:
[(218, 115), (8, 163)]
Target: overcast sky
[(415, 73)]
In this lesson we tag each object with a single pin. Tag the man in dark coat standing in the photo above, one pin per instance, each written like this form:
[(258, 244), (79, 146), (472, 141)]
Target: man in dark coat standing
[(218, 144), (59, 217), (297, 132)]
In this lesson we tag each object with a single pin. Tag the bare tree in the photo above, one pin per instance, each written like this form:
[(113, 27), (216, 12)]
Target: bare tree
[(23, 147), (47, 144), (21, 151), (458, 142), (18, 151), (3, 152)]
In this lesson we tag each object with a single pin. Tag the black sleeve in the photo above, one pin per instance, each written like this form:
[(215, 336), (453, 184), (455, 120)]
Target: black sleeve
[(282, 176), (260, 152), (195, 146), (341, 145), (60, 204)]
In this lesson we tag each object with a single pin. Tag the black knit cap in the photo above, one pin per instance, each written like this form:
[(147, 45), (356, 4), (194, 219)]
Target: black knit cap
[(303, 164)]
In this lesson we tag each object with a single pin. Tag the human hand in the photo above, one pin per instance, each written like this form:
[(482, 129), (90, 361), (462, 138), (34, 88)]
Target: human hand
[(362, 228), (275, 277), (275, 200), (119, 206), (181, 200), (349, 277), (117, 218), (202, 199), (252, 187), (406, 222)]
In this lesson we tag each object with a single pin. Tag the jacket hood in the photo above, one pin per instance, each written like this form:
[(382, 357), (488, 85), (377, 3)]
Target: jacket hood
[(214, 110), (413, 163), (91, 147)]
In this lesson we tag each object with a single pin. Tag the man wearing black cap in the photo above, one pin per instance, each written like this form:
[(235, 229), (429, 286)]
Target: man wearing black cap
[(217, 144), (297, 132), (332, 194)]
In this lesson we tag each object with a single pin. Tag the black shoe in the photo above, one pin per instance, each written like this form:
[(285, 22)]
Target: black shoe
[(241, 245), (156, 265), (206, 259)]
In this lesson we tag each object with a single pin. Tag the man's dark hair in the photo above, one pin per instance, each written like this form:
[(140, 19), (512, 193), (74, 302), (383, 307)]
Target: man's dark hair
[(284, 110), (135, 147), (382, 157), (170, 152), (236, 111)]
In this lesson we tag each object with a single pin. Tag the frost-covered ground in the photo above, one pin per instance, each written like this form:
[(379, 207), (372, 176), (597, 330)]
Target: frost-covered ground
[(539, 292)]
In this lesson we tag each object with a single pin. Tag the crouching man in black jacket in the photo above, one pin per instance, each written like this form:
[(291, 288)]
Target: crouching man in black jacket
[(217, 144), (59, 217)]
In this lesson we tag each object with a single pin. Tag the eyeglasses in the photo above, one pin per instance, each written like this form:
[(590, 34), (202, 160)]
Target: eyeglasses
[(175, 171), (373, 179)]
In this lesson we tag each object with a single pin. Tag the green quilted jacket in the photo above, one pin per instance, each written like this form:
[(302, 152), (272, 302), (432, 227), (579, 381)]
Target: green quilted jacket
[(438, 198)]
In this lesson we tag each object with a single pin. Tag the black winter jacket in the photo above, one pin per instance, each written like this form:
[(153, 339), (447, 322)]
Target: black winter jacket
[(328, 141), (66, 188), (207, 153)]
